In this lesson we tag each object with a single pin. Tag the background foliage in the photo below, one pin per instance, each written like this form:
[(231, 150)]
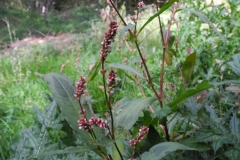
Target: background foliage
[(205, 125)]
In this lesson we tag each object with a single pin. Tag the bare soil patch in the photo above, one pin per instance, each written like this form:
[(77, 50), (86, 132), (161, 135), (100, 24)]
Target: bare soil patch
[(64, 40)]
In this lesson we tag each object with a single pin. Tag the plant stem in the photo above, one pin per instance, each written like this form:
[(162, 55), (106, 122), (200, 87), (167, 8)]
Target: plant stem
[(164, 45), (110, 108), (91, 132), (149, 79)]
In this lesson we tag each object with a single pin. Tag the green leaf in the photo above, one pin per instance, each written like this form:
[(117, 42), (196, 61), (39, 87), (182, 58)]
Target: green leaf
[(120, 133), (191, 142), (235, 64), (163, 8), (68, 150), (186, 93), (163, 112), (234, 122), (63, 89), (172, 123), (93, 72), (169, 51), (153, 136), (103, 142), (188, 66), (130, 113), (232, 153), (148, 119), (125, 29), (204, 19), (162, 149), (126, 68)]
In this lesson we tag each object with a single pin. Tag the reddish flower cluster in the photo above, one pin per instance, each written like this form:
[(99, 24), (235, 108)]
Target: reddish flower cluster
[(82, 111), (108, 39), (86, 125), (141, 4), (112, 79), (81, 84), (142, 132), (98, 122)]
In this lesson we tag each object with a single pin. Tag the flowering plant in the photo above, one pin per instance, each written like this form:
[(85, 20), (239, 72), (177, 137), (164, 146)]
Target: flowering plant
[(139, 128)]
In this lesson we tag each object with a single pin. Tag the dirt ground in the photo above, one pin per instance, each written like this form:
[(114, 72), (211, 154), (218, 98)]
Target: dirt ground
[(64, 40)]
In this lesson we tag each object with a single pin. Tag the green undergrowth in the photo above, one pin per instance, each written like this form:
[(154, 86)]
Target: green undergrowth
[(29, 23), (22, 89)]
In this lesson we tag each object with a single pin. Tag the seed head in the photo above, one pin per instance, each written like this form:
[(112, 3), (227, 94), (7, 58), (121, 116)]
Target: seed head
[(108, 39), (80, 85), (142, 132)]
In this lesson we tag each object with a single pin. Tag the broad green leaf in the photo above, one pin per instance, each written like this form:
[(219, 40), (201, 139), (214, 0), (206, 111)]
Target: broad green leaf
[(234, 123), (103, 142), (218, 143), (126, 68), (153, 136), (63, 89), (186, 93), (125, 29), (191, 142), (130, 113), (206, 137), (204, 19), (93, 72), (163, 113), (120, 133), (135, 60), (163, 8), (162, 149), (235, 64), (68, 150), (188, 66), (149, 119)]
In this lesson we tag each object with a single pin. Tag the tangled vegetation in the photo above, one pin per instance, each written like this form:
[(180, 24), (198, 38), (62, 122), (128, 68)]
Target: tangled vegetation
[(160, 84)]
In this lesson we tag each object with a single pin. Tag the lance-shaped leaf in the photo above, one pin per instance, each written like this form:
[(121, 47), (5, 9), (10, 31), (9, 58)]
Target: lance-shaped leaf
[(235, 64), (169, 51), (93, 72), (163, 8), (184, 93), (63, 89), (130, 113), (125, 29), (126, 68), (204, 19), (188, 66), (162, 149), (234, 123)]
